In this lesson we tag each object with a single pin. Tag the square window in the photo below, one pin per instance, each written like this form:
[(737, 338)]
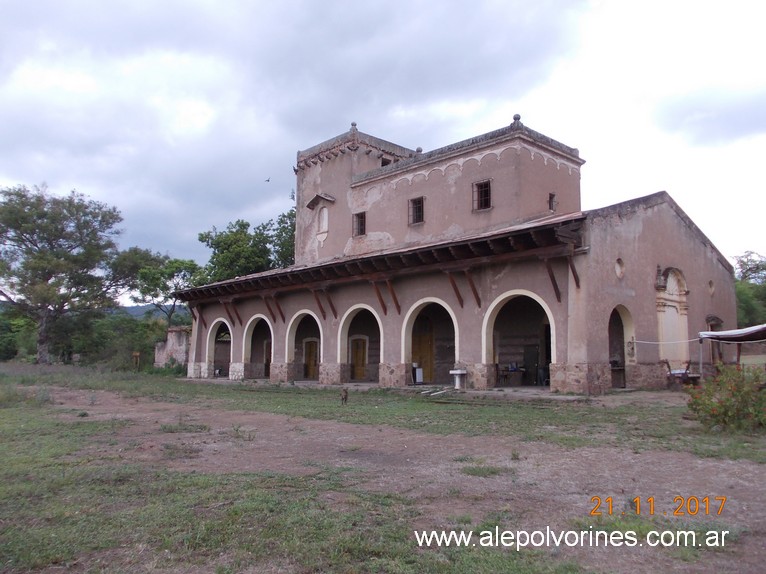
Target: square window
[(360, 223), (416, 211), (482, 195)]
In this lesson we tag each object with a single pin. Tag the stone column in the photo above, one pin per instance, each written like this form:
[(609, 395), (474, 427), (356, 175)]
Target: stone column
[(236, 371), (193, 370), (581, 378), (482, 375), (393, 374), (334, 374), (279, 373)]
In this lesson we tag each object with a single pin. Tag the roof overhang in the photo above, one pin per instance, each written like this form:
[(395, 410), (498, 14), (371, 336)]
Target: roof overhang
[(544, 239)]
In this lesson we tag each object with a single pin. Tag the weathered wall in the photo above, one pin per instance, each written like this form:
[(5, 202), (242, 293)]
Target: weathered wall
[(627, 243), (174, 349), (522, 172)]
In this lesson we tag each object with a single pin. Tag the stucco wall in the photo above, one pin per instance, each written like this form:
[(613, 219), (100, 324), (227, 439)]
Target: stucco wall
[(627, 244), (521, 172)]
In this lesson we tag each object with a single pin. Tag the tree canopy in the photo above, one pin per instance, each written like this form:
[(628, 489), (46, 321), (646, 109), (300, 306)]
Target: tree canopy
[(238, 251), (160, 280), (750, 270), (58, 255)]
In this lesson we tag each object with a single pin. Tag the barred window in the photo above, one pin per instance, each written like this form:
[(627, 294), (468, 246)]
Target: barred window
[(360, 223), (482, 195), (416, 211)]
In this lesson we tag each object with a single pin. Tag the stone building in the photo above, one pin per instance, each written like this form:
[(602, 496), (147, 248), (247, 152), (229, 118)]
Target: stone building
[(475, 256)]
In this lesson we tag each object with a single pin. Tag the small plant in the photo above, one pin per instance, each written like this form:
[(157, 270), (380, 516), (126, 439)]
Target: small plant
[(183, 426), (43, 396), (732, 400), (484, 471), (10, 395), (236, 432), (175, 451)]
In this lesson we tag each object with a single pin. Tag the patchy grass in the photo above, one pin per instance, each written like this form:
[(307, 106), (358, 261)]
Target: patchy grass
[(639, 427), (58, 510), (183, 426), (485, 471)]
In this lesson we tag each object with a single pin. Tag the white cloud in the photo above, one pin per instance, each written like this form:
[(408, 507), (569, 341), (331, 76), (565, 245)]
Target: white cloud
[(176, 112)]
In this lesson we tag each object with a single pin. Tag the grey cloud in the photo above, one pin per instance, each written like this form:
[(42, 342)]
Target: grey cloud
[(292, 74)]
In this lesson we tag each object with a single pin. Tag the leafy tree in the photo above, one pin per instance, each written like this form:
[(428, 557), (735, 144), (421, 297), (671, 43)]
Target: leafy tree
[(751, 289), (236, 251), (283, 240), (8, 344), (751, 267), (159, 282), (58, 256)]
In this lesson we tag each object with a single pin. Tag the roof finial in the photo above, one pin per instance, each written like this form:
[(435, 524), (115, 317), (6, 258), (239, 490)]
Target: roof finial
[(516, 121)]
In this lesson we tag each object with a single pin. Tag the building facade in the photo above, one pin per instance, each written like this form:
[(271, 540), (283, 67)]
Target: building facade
[(475, 256)]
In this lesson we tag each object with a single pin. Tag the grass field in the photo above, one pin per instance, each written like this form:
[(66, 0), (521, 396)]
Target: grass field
[(62, 509)]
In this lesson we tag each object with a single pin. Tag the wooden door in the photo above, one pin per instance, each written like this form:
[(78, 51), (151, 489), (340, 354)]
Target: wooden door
[(311, 359), (358, 358), (423, 347)]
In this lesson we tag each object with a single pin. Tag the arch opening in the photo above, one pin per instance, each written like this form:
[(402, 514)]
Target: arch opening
[(219, 349), (258, 349), (432, 344), (363, 346), (307, 347), (521, 342)]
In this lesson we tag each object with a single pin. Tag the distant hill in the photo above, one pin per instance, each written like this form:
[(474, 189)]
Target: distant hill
[(140, 311)]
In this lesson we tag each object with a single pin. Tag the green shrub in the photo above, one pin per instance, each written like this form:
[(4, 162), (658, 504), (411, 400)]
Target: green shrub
[(732, 400)]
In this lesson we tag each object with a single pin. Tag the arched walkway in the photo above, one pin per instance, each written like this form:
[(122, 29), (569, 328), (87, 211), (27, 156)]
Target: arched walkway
[(519, 337), (303, 347), (218, 354), (430, 341), (360, 343), (258, 348)]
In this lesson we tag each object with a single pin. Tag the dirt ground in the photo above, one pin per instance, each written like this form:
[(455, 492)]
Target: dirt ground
[(550, 487)]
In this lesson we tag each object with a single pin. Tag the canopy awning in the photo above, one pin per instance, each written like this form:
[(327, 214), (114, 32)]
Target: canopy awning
[(746, 335)]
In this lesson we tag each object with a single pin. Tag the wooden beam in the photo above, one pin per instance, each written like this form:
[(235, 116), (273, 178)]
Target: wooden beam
[(570, 259), (472, 285), (418, 263), (198, 316), (329, 301), (279, 308), (319, 304), (393, 297), (553, 280), (228, 313), (380, 297), (455, 289), (230, 306), (271, 311)]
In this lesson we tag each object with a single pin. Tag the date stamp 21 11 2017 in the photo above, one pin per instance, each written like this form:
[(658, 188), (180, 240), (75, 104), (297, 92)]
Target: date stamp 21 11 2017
[(646, 506)]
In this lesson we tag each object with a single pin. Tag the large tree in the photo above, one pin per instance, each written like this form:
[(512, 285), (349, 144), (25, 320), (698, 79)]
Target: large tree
[(159, 282), (58, 256), (238, 251), (283, 240)]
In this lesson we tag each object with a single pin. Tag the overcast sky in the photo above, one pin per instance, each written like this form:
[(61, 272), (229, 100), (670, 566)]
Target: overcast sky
[(177, 112)]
